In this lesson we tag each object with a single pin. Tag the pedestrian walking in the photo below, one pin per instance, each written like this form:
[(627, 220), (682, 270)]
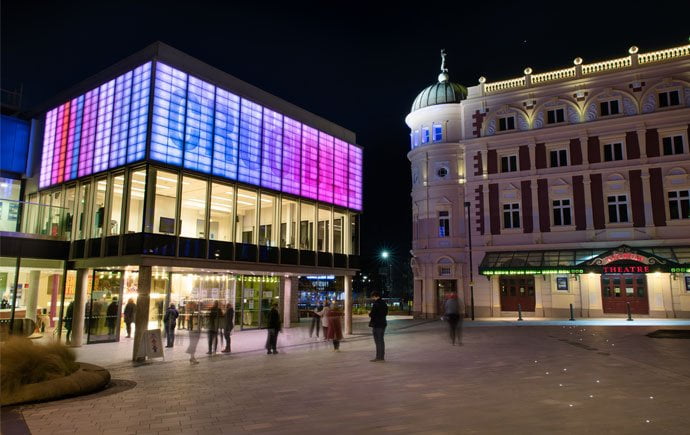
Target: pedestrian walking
[(213, 324), (169, 322), (273, 329), (316, 320), (378, 313), (69, 315), (335, 327), (452, 314), (193, 342), (324, 318), (228, 325), (130, 311)]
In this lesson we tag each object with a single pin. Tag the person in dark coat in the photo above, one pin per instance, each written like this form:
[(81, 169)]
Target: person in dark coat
[(316, 320), (170, 321), (273, 329), (214, 317), (452, 314), (112, 316), (228, 325), (130, 311), (69, 315), (335, 326), (378, 313)]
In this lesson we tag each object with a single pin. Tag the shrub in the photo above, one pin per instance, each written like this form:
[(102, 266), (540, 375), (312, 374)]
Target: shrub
[(23, 362)]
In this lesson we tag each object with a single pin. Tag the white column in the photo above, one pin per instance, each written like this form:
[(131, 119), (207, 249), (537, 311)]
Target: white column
[(141, 318), (348, 304), (287, 301), (429, 298), (584, 146), (79, 305)]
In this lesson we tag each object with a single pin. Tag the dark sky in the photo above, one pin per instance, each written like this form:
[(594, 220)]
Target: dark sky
[(357, 66)]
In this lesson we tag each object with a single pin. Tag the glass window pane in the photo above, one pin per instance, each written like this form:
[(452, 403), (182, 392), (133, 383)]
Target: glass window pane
[(324, 230), (306, 226), (354, 234), (245, 230), (288, 223), (338, 232), (267, 217), (165, 202), (135, 203), (84, 191), (115, 220), (193, 210), (222, 204)]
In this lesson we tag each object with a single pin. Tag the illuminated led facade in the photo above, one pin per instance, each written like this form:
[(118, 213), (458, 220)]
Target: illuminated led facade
[(575, 184), (174, 182)]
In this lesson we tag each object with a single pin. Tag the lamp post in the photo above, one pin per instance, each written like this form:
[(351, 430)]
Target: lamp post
[(386, 257), (469, 241)]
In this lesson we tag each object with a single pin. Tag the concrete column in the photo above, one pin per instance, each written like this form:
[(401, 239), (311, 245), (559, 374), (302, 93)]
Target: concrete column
[(430, 308), (348, 304), (642, 141), (31, 294), (79, 305), (287, 301), (418, 299), (589, 218), (535, 207), (484, 162), (141, 318), (54, 285), (487, 211), (584, 147), (532, 158), (647, 198)]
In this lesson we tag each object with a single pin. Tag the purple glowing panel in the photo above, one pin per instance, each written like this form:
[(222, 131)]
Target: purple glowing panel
[(88, 133), (198, 145), (340, 175), (226, 134), (72, 158), (169, 106), (138, 116), (106, 97), (48, 148), (249, 168), (310, 159), (120, 128), (271, 158), (325, 167), (292, 144), (355, 178)]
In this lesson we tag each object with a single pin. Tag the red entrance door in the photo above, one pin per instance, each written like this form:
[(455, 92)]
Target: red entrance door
[(618, 290), (517, 290)]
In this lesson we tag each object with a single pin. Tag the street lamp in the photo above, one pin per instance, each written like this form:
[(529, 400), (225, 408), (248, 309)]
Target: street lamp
[(385, 255), (469, 240)]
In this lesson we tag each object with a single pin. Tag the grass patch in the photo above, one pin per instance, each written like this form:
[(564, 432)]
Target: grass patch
[(23, 362)]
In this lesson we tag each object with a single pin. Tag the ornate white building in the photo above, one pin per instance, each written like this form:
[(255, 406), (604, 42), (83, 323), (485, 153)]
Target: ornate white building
[(575, 183)]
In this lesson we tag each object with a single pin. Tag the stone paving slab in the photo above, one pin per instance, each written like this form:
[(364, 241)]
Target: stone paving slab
[(513, 379)]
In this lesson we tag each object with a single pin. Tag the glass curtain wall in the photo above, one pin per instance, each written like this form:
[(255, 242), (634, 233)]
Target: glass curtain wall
[(268, 236), (115, 220), (245, 231), (222, 206), (70, 203), (9, 203), (324, 230), (306, 226), (103, 306), (288, 223), (193, 210), (338, 232), (135, 203), (165, 202), (82, 208), (98, 223)]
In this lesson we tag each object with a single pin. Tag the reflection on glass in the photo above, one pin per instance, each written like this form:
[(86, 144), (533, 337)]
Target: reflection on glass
[(306, 226), (103, 306), (193, 210), (288, 223), (165, 202), (246, 216), (99, 209), (354, 234), (115, 221), (70, 203), (222, 203), (338, 232), (135, 204), (83, 197), (267, 216)]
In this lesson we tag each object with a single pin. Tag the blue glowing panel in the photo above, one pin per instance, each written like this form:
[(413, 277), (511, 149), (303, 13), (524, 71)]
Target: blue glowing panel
[(226, 132), (271, 155), (355, 178), (169, 107), (249, 168), (106, 97), (138, 116), (120, 128), (74, 138), (310, 159), (325, 167), (14, 144), (292, 166), (48, 148), (340, 164), (198, 146)]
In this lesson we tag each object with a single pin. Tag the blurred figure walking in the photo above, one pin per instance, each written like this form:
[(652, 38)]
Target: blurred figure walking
[(378, 313), (273, 329), (452, 314), (213, 323), (316, 320), (170, 321), (228, 325), (335, 327), (324, 318), (130, 311)]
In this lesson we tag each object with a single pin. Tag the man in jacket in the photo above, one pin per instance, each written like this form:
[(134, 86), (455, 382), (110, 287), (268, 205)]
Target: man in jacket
[(130, 311), (273, 329), (378, 313), (170, 321), (214, 317)]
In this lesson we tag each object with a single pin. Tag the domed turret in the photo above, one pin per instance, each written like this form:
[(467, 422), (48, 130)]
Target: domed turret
[(442, 92)]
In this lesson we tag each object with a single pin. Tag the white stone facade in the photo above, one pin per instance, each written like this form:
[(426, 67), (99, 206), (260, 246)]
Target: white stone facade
[(593, 157)]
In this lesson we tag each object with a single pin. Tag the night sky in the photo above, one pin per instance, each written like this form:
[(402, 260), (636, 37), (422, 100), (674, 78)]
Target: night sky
[(357, 66)]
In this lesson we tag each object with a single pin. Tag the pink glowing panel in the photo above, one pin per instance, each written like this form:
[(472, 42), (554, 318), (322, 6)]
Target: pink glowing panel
[(70, 156), (60, 142), (88, 132), (292, 143), (271, 158), (310, 158), (103, 126), (48, 148), (340, 164), (355, 178), (120, 127), (325, 167)]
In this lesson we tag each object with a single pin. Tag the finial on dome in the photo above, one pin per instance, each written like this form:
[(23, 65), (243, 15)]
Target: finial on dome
[(443, 77)]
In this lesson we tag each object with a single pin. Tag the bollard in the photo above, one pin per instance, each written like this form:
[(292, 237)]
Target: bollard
[(519, 312), (630, 319), (572, 318)]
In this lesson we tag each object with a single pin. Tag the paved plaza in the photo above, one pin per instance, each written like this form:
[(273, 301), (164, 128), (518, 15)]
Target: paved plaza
[(508, 377)]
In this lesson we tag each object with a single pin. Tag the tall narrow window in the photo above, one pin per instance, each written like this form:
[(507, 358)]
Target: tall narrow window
[(165, 213), (193, 210), (673, 145), (561, 212), (222, 204), (425, 134), (268, 236), (324, 230), (98, 223), (288, 223), (443, 224), (679, 204), (135, 202), (508, 163), (115, 220), (438, 133), (613, 152), (245, 222), (618, 208), (559, 158), (511, 215)]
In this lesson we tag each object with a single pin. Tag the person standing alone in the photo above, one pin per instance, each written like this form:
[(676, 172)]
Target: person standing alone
[(378, 313), (227, 327), (130, 311), (170, 321), (213, 323), (273, 329), (451, 311)]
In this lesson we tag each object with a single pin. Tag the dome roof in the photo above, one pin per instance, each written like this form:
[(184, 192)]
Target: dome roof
[(442, 92)]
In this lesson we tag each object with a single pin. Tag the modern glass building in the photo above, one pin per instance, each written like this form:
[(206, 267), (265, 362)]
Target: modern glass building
[(173, 182)]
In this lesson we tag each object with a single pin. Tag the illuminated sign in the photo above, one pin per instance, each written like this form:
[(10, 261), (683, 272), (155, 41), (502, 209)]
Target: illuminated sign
[(536, 271), (624, 256), (625, 269), (320, 277)]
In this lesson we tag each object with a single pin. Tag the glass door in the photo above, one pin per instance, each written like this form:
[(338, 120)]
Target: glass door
[(103, 307)]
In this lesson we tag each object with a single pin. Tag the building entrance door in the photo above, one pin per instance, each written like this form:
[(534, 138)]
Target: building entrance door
[(103, 308), (517, 291), (617, 290), (254, 300)]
